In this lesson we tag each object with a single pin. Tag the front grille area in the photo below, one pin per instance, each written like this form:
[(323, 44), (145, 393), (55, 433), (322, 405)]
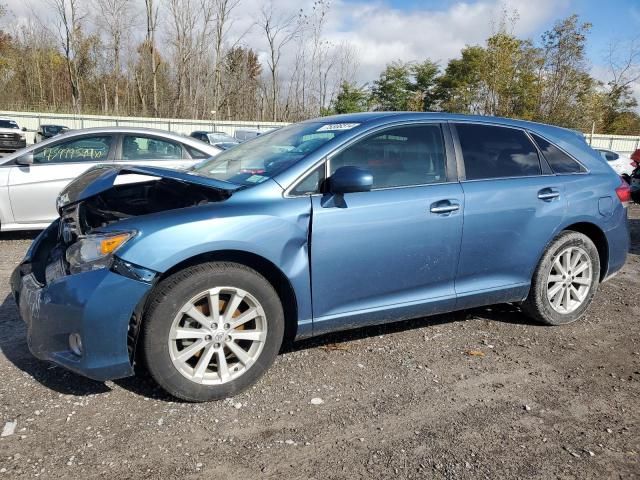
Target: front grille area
[(10, 136)]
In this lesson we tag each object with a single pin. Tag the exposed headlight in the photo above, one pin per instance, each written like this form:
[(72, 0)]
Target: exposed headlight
[(95, 251)]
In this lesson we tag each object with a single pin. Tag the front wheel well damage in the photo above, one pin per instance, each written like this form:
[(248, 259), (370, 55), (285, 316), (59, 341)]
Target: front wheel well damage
[(261, 265)]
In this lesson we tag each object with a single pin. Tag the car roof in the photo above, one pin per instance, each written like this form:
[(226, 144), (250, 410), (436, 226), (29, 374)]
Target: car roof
[(370, 117), (124, 129), (134, 130), (210, 149)]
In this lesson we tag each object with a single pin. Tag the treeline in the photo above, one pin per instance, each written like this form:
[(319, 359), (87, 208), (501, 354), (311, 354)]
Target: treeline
[(184, 58), (172, 58), (547, 81)]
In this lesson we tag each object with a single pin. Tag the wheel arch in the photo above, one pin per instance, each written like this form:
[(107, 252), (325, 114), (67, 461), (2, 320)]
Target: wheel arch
[(264, 267), (598, 237)]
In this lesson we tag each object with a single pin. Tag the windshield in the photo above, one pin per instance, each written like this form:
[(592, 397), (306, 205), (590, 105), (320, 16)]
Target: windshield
[(267, 155), (53, 129), (220, 137), (8, 124)]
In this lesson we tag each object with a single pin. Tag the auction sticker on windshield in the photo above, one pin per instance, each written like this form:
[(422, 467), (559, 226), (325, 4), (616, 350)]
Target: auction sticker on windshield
[(337, 126)]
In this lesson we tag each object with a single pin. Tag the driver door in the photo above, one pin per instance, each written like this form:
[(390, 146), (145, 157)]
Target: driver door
[(392, 252)]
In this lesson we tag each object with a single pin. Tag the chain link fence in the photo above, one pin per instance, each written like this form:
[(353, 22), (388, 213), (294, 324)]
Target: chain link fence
[(32, 121)]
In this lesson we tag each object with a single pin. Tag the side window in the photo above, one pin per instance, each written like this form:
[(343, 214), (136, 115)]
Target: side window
[(149, 148), (559, 161), (311, 184), (195, 153), (401, 156), (497, 152), (85, 149)]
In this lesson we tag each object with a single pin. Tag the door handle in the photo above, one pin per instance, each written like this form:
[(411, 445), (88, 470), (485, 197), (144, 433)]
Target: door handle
[(444, 206), (548, 194)]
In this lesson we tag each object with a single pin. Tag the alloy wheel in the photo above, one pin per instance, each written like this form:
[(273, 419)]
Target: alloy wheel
[(569, 280), (217, 335)]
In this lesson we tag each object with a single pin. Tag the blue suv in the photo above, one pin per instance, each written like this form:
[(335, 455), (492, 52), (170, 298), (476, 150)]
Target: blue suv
[(319, 226)]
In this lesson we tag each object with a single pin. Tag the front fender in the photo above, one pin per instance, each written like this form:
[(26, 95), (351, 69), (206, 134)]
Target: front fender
[(276, 230)]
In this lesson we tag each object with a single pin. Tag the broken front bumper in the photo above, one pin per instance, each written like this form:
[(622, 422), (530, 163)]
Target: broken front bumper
[(97, 305)]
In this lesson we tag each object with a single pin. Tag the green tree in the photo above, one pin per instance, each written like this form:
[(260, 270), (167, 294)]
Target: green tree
[(350, 99), (393, 90), (407, 86), (458, 89), (567, 82), (424, 87), (508, 74)]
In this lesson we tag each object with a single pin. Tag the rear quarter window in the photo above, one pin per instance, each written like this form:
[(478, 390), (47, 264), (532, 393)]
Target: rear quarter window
[(559, 161)]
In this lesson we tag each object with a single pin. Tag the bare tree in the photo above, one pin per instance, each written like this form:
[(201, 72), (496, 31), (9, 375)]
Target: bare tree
[(69, 27), (279, 31), (115, 20), (151, 10), (223, 22), (624, 63), (183, 15)]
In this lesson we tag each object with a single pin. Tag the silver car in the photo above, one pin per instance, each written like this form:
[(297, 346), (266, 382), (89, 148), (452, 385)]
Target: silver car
[(31, 178)]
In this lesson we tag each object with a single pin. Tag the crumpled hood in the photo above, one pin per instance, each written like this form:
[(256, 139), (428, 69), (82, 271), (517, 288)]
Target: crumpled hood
[(103, 177)]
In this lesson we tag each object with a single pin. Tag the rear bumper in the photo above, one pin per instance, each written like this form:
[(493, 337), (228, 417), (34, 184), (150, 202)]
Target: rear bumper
[(618, 242), (97, 305)]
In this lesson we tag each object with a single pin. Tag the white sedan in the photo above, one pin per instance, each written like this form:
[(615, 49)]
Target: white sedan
[(622, 164), (32, 178)]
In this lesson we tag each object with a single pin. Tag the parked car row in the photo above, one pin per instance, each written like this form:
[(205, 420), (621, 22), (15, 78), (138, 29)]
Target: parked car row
[(48, 131), (219, 139), (622, 164), (224, 140), (12, 137), (32, 178)]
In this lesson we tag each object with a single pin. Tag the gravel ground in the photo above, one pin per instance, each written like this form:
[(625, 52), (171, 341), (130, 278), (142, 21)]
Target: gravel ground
[(476, 394)]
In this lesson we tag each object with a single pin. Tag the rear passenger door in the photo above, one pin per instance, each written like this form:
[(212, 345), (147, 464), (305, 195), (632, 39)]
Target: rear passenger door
[(137, 149), (513, 205)]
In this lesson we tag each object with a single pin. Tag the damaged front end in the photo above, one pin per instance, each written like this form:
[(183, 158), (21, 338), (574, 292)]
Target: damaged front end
[(76, 296)]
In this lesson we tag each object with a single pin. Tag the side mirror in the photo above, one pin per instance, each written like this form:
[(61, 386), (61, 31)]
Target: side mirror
[(24, 129), (25, 160), (350, 180)]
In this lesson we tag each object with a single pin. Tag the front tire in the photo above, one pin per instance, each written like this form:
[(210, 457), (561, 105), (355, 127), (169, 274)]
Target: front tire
[(211, 331), (565, 280)]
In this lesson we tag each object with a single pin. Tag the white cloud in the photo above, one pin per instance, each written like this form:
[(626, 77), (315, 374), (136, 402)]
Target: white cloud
[(382, 34), (379, 32)]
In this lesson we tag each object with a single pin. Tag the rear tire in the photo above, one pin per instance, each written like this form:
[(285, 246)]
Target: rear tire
[(565, 280), (211, 331)]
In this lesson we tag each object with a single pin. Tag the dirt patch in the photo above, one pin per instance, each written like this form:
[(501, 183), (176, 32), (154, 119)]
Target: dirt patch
[(481, 393)]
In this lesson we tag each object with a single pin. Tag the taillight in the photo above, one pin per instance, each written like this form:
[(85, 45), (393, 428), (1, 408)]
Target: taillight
[(624, 193)]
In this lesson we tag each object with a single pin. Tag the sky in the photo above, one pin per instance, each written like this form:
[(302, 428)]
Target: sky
[(387, 30)]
